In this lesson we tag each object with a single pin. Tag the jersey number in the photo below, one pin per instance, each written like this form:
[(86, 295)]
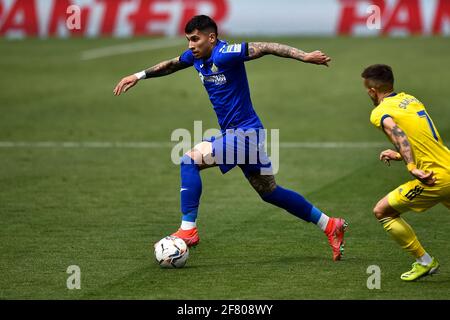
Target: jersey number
[(423, 114)]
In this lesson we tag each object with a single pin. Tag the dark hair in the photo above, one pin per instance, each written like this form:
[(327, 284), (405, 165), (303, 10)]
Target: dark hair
[(201, 23), (380, 76)]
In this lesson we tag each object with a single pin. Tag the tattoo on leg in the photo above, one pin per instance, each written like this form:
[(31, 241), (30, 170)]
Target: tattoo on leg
[(263, 184)]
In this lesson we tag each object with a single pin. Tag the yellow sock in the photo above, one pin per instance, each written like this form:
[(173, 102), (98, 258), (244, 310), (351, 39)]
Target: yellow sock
[(404, 235)]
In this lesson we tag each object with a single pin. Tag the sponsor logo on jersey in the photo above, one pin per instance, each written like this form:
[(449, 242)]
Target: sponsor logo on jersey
[(217, 79)]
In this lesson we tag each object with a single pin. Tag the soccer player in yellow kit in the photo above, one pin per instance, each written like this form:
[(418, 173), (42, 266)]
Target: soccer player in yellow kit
[(404, 119)]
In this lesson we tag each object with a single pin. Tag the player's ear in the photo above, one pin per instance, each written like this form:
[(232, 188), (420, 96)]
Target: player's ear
[(212, 37), (372, 91), (369, 86)]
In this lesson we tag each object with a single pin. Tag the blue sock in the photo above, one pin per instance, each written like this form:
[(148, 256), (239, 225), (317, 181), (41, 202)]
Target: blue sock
[(315, 215), (191, 188), (292, 202)]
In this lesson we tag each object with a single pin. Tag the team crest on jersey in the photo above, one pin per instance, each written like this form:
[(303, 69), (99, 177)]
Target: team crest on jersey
[(232, 48), (214, 68)]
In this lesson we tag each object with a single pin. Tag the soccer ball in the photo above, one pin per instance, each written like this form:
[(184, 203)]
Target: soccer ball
[(171, 252)]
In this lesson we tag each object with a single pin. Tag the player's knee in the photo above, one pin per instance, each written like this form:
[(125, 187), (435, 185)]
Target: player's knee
[(201, 155), (191, 157), (204, 147), (383, 209), (379, 212)]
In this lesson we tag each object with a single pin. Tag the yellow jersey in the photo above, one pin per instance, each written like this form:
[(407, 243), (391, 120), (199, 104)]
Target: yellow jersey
[(410, 115)]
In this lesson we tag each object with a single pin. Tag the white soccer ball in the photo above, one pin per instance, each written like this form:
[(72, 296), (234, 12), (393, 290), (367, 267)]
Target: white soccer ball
[(171, 252)]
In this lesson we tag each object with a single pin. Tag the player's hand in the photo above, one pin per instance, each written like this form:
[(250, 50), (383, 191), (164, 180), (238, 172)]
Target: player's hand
[(125, 84), (317, 57), (427, 178), (388, 155)]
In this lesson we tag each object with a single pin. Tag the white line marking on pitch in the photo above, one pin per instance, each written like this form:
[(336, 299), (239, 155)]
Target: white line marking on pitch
[(153, 145), (331, 145), (147, 45)]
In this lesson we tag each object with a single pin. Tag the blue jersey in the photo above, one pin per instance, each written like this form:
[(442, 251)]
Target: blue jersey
[(225, 79)]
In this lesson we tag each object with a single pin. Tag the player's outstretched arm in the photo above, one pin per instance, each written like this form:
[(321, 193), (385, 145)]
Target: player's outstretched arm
[(258, 49), (401, 142), (161, 69)]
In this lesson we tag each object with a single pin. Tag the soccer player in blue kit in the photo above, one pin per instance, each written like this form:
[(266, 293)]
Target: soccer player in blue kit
[(221, 68)]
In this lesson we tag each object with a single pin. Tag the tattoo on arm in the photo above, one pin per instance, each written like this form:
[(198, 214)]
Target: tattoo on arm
[(165, 68), (259, 49), (402, 144), (396, 131)]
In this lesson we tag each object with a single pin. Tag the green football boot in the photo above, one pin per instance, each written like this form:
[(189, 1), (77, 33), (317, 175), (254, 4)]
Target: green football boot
[(418, 270)]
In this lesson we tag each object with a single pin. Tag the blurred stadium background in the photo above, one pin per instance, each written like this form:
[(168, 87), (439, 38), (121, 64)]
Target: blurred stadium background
[(86, 178)]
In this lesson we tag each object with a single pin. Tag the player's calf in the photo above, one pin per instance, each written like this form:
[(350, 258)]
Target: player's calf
[(274, 194), (191, 189), (294, 203), (263, 184)]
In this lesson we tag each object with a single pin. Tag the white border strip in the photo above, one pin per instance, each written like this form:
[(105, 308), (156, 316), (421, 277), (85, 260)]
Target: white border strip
[(156, 145)]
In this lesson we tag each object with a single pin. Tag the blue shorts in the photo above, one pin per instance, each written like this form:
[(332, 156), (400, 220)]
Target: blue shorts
[(241, 147)]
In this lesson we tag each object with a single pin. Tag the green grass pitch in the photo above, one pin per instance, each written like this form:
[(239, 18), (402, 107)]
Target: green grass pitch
[(103, 208)]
